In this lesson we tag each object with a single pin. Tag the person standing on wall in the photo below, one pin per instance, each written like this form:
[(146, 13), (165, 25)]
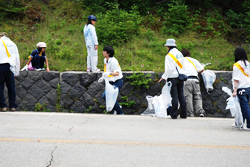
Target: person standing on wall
[(192, 90), (174, 64), (241, 83), (9, 68), (91, 44)]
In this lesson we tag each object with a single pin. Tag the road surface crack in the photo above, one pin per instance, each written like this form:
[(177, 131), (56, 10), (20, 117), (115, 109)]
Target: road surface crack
[(51, 160)]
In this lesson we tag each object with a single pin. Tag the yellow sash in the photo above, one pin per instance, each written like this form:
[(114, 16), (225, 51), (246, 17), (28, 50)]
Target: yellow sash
[(241, 69), (191, 62), (105, 70), (176, 60), (8, 54)]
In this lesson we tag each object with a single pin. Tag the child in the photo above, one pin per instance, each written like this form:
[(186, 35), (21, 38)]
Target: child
[(112, 71), (37, 59), (91, 44)]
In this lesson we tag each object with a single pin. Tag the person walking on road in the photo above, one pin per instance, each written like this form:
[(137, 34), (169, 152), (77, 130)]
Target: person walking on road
[(91, 44), (9, 68), (174, 61), (241, 83), (192, 90)]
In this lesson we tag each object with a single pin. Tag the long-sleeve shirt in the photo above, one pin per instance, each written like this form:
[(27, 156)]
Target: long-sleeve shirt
[(192, 70), (90, 35), (13, 58), (170, 65)]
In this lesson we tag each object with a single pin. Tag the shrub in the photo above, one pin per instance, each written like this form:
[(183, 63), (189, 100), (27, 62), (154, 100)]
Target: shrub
[(117, 26), (9, 8), (139, 80)]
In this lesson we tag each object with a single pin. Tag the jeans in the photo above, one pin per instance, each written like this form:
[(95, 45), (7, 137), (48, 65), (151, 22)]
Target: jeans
[(38, 61), (244, 98), (8, 78), (193, 97), (177, 95), (118, 84)]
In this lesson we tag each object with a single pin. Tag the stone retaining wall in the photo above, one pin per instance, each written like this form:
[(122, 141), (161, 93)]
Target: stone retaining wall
[(80, 92)]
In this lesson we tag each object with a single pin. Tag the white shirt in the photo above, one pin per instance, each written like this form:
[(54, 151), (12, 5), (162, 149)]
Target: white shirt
[(113, 66), (14, 59), (191, 70), (244, 81), (170, 65), (90, 35)]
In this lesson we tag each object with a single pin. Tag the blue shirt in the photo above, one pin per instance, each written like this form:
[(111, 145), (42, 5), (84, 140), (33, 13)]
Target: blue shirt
[(36, 52)]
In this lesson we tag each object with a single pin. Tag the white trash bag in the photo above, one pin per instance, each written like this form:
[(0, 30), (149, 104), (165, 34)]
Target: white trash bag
[(166, 96), (234, 106), (208, 78), (111, 95), (160, 109), (150, 110)]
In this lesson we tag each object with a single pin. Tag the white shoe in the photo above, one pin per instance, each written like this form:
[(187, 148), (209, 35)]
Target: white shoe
[(240, 127), (245, 128), (98, 70), (201, 115), (38, 69)]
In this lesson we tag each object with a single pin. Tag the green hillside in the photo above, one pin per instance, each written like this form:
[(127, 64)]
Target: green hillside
[(136, 29)]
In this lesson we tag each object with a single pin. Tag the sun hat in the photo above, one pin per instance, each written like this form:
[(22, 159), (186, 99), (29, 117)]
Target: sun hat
[(41, 45), (3, 34), (92, 17), (170, 42)]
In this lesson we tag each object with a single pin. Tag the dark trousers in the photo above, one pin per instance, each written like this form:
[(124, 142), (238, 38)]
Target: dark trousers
[(8, 78), (38, 61), (118, 83), (177, 95), (244, 98)]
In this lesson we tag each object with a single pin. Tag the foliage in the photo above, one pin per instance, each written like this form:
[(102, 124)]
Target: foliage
[(88, 109), (139, 79), (128, 104), (41, 107), (117, 26), (176, 18), (10, 8)]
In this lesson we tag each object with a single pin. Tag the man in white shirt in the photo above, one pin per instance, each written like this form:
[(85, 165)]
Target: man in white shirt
[(9, 68), (192, 91)]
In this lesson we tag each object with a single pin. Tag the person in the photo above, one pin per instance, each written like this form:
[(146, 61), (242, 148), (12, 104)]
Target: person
[(9, 68), (174, 61), (112, 71), (91, 44), (37, 59), (192, 90), (241, 83)]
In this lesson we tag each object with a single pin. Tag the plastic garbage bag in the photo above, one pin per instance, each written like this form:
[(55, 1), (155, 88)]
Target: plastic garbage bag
[(160, 109), (150, 111), (234, 106), (111, 95), (208, 78), (166, 96)]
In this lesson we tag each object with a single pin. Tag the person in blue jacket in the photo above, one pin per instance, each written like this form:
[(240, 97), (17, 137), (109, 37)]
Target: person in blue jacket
[(91, 44)]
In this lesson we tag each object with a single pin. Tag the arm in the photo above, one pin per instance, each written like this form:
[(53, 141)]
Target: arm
[(29, 60), (47, 64), (94, 37), (236, 84)]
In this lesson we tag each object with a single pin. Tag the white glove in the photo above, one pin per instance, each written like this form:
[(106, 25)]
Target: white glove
[(25, 68), (106, 74), (100, 80)]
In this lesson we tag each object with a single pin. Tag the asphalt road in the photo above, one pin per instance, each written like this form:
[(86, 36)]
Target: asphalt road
[(30, 139)]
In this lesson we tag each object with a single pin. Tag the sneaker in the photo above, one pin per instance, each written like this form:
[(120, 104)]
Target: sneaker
[(88, 70), (38, 69), (4, 109), (240, 127), (98, 70), (201, 115), (12, 109), (43, 69), (245, 128)]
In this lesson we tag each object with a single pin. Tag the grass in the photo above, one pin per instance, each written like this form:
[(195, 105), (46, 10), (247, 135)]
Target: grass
[(66, 50)]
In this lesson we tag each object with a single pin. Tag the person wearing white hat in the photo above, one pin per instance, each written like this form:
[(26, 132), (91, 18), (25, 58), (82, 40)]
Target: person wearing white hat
[(9, 68), (174, 64), (37, 59)]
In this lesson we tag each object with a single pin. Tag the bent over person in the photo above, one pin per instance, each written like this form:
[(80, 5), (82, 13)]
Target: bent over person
[(192, 90), (9, 68)]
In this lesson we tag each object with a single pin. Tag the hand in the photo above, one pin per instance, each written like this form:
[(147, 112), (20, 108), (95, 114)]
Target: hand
[(100, 80), (25, 68), (160, 80), (47, 69), (96, 47), (106, 74), (235, 93)]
